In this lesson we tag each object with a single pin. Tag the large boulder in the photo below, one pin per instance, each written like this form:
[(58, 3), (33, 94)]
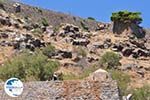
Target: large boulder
[(38, 43), (5, 21), (107, 43), (127, 51), (17, 7), (60, 54), (5, 43), (81, 42), (69, 30), (128, 29), (23, 41), (141, 53), (139, 44), (117, 47), (99, 75), (3, 35), (65, 54)]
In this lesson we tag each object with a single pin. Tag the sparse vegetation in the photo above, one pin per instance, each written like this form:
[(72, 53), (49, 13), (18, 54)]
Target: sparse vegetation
[(110, 60), (48, 50), (91, 18), (81, 51), (39, 10), (127, 17), (122, 79), (28, 67), (44, 22), (84, 26), (142, 93), (37, 32), (83, 75)]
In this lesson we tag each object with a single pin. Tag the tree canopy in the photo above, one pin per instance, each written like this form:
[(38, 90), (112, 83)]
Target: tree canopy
[(127, 17)]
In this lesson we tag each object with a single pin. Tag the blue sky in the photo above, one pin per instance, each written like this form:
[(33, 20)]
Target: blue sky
[(99, 9)]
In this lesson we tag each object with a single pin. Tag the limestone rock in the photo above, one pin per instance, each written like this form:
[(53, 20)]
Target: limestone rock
[(99, 75)]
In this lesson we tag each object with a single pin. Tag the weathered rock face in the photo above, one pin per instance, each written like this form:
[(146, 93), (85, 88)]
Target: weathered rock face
[(128, 29)]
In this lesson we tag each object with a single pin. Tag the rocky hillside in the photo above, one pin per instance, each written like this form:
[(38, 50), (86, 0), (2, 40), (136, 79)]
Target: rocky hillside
[(36, 14), (79, 46)]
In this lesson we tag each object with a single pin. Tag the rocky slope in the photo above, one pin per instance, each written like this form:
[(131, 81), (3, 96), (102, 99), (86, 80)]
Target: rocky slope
[(35, 14), (77, 49)]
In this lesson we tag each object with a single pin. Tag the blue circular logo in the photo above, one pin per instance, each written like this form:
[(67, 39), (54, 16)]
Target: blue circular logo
[(13, 87)]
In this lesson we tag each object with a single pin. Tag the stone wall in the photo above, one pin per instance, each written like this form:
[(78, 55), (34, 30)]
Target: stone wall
[(66, 90)]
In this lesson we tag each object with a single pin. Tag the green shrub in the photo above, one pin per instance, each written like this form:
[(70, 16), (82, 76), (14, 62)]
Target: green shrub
[(48, 50), (122, 79), (110, 60), (84, 26), (29, 67), (142, 93), (91, 18), (44, 22), (127, 17)]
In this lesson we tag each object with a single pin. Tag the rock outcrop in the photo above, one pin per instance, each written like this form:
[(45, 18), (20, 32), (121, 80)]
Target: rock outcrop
[(128, 29), (76, 49)]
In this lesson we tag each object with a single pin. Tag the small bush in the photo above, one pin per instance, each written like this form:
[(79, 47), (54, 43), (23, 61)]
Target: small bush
[(122, 79), (91, 18), (84, 26), (29, 67), (49, 50), (142, 93), (44, 22), (110, 60), (127, 17)]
